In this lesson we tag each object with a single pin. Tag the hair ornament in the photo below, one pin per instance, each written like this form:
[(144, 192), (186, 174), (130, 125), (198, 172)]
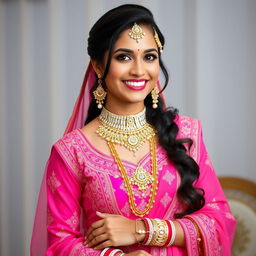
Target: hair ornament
[(137, 32), (158, 42)]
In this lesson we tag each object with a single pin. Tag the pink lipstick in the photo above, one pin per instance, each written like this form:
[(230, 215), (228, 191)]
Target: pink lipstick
[(135, 84)]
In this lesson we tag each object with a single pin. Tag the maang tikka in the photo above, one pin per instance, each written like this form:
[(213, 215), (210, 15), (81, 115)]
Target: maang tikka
[(99, 94), (137, 32)]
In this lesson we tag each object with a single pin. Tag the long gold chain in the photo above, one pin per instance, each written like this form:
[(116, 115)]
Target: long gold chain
[(127, 182)]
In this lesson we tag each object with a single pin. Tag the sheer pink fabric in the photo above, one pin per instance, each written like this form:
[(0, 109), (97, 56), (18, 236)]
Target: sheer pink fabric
[(84, 99), (81, 179), (39, 235)]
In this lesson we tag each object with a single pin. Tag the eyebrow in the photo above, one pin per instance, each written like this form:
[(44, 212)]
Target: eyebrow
[(131, 51)]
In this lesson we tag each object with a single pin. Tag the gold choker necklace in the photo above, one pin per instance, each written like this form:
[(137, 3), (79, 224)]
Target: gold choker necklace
[(130, 131)]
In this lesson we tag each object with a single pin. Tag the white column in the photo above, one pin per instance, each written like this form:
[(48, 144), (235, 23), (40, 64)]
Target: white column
[(27, 131), (57, 66), (4, 228)]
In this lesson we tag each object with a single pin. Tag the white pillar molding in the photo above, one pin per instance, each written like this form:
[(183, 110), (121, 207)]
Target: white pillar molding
[(4, 227), (95, 7), (57, 66), (27, 130)]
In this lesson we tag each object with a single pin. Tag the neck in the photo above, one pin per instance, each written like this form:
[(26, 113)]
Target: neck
[(125, 109), (124, 122)]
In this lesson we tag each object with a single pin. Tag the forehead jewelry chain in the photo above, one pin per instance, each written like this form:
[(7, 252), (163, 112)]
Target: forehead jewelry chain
[(136, 33), (158, 42)]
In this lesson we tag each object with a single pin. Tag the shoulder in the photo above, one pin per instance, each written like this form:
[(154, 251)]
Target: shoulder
[(69, 142), (188, 127), (70, 149)]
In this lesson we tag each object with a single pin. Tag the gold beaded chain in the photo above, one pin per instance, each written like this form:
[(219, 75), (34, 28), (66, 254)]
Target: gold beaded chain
[(128, 183)]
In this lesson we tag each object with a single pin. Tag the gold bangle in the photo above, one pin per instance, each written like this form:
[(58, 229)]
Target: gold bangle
[(160, 232)]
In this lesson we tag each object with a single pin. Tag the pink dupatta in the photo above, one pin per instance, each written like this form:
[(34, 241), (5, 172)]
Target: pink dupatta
[(38, 244)]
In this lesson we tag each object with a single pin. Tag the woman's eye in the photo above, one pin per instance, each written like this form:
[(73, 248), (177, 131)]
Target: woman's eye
[(150, 57), (122, 57)]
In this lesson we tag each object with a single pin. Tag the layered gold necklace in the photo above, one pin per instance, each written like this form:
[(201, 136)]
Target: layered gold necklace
[(131, 132)]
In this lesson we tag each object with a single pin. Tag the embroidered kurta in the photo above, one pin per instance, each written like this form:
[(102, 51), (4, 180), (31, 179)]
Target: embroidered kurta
[(82, 180)]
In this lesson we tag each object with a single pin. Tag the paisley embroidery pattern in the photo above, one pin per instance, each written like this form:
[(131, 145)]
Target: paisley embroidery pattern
[(53, 182), (165, 200), (189, 128), (73, 221), (142, 204), (80, 250), (168, 177), (71, 152), (208, 230), (190, 234), (214, 204), (126, 209), (99, 193)]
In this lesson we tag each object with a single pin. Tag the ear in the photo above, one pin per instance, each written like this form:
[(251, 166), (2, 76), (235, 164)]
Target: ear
[(98, 67)]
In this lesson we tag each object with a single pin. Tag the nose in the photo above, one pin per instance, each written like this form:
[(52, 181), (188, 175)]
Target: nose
[(137, 68)]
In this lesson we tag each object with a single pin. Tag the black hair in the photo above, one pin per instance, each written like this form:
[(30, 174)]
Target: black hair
[(102, 38)]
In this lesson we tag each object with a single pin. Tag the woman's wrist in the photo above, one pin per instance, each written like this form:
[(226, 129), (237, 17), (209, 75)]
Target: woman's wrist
[(140, 230), (155, 232)]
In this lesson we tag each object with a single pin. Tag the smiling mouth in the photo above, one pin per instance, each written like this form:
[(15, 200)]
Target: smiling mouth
[(135, 84)]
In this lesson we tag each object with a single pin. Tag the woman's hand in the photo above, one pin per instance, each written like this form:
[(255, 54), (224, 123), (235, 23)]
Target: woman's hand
[(138, 253), (111, 230)]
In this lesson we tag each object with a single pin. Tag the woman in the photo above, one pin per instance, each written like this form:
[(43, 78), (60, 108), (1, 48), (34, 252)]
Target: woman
[(136, 178)]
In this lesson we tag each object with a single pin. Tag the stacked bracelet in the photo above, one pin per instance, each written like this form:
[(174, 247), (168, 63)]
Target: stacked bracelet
[(149, 235), (172, 234), (161, 232), (158, 232), (111, 252)]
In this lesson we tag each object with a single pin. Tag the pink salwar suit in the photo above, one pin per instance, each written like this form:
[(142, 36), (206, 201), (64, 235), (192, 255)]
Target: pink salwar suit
[(81, 180)]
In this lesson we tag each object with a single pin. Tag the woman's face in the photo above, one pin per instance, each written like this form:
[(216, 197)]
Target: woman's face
[(134, 69)]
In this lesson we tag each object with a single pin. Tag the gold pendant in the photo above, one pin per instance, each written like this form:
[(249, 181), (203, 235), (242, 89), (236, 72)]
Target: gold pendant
[(141, 178), (133, 140)]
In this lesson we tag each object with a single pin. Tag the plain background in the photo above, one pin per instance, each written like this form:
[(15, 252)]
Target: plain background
[(210, 54)]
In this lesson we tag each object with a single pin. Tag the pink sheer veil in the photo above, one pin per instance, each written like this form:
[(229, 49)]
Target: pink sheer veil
[(38, 244)]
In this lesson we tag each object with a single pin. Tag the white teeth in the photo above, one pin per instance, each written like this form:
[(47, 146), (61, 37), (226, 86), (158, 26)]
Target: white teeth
[(131, 83)]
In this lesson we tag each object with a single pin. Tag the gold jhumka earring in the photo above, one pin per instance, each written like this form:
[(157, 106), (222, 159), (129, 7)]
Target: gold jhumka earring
[(99, 94), (155, 95)]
